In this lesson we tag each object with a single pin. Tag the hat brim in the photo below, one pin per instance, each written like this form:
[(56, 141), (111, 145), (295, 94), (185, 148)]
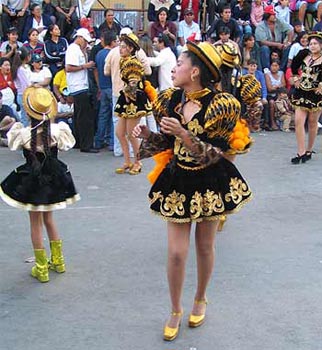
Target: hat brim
[(214, 70), (34, 114), (133, 43), (232, 64), (315, 35)]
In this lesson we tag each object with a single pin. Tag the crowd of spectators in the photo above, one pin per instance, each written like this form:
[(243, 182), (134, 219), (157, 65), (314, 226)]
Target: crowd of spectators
[(45, 44)]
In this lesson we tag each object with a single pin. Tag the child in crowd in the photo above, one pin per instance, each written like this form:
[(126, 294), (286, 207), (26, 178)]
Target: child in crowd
[(283, 109), (283, 11), (43, 183), (65, 111), (257, 12)]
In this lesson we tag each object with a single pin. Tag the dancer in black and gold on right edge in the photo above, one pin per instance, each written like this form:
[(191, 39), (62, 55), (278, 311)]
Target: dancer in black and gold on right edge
[(307, 95), (194, 181)]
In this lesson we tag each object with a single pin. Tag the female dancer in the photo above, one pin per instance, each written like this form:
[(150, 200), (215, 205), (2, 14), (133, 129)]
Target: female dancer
[(199, 184), (43, 183), (132, 104), (307, 96)]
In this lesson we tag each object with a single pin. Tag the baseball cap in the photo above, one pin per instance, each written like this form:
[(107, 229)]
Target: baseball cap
[(188, 11), (84, 33), (126, 31), (270, 10), (36, 58)]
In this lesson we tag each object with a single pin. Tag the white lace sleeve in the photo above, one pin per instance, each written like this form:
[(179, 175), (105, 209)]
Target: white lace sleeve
[(14, 136), (65, 139)]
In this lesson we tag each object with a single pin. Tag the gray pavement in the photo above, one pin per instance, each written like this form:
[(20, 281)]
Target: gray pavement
[(265, 292)]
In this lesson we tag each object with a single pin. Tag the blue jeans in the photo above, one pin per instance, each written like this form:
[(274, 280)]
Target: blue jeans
[(104, 132)]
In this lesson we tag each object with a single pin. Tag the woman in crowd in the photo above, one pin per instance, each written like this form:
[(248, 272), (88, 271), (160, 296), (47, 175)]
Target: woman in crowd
[(250, 50), (132, 104), (55, 48), (163, 26), (199, 184), (33, 44), (307, 96), (39, 75), (21, 77), (7, 85), (274, 79)]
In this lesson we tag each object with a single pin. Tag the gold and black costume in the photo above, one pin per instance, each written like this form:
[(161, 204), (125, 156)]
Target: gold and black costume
[(133, 102), (200, 184), (305, 97)]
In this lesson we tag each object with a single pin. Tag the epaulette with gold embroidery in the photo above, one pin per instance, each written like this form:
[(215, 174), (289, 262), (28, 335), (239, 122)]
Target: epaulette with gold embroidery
[(131, 69), (250, 89), (221, 116), (160, 104)]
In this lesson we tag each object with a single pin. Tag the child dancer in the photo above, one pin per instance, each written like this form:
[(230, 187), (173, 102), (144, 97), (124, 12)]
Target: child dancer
[(43, 183)]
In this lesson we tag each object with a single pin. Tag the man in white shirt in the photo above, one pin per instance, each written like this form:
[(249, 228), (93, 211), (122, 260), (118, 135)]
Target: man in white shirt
[(166, 60), (77, 81), (186, 28)]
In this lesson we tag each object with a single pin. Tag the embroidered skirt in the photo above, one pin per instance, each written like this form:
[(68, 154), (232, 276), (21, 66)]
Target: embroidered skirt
[(49, 187), (307, 100), (133, 109), (180, 195)]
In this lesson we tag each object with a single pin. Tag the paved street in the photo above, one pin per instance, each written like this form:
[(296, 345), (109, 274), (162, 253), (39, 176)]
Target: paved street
[(266, 292)]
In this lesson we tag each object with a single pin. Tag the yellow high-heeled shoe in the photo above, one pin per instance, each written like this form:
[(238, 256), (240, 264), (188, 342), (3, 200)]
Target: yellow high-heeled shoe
[(197, 320), (170, 333), (136, 169), (123, 169)]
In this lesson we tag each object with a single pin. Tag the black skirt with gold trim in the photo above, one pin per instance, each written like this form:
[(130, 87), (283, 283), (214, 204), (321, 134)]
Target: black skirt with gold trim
[(44, 186), (129, 108), (181, 195)]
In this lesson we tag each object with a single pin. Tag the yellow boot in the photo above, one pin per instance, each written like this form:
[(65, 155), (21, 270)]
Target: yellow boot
[(40, 270), (57, 262)]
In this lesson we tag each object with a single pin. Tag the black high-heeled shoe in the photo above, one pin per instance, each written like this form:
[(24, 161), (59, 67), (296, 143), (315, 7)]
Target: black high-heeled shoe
[(309, 154), (299, 159)]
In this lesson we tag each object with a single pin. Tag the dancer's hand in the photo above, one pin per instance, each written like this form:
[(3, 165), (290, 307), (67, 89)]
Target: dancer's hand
[(171, 126), (141, 132)]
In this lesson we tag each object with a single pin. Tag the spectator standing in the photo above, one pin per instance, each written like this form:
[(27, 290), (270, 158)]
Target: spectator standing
[(55, 48), (109, 24), (9, 47), (77, 80), (14, 11), (165, 60), (104, 132)]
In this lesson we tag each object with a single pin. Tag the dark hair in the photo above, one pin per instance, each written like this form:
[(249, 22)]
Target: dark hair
[(145, 43), (162, 9), (224, 30), (163, 38), (248, 36), (300, 36), (19, 56), (266, 16), (32, 7), (225, 7), (276, 60), (109, 37), (31, 30), (108, 10), (252, 61), (281, 90), (3, 60), (206, 78), (49, 30)]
